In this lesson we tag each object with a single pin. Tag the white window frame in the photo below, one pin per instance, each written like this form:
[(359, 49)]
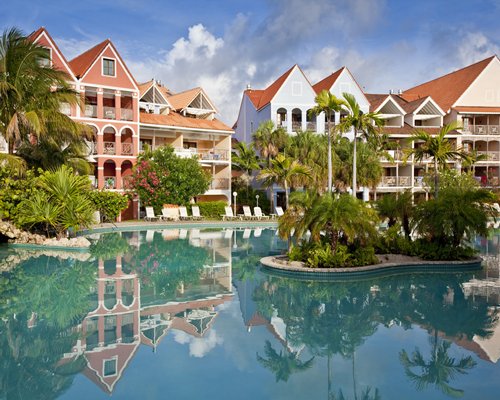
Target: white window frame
[(115, 359), (50, 56), (297, 89), (102, 66)]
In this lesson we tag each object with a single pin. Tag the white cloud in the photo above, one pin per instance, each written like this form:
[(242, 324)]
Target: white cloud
[(198, 347)]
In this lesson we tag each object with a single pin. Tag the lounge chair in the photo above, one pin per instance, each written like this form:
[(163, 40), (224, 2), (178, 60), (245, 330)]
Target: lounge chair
[(196, 212), (170, 214), (150, 215), (183, 213), (258, 213), (279, 211), (247, 212), (246, 233), (257, 232), (229, 216)]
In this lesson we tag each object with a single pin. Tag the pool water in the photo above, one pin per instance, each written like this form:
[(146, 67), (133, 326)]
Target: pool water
[(185, 314)]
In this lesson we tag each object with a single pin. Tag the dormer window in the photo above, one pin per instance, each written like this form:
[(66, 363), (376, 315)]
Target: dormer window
[(46, 61), (108, 67)]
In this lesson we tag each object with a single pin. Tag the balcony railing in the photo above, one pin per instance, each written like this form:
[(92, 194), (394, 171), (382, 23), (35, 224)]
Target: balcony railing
[(311, 126), (110, 182), (296, 126), (490, 155), (127, 114), (220, 184), (127, 149), (90, 111), (482, 129), (204, 154), (396, 155), (393, 181), (109, 148), (418, 181), (281, 124), (109, 112)]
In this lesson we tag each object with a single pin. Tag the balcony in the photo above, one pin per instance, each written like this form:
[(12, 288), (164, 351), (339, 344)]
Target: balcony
[(311, 126), (204, 154), (482, 130), (127, 149), (90, 111), (490, 155), (396, 181), (296, 126), (418, 181), (109, 148), (393, 155), (220, 184), (109, 112), (127, 114)]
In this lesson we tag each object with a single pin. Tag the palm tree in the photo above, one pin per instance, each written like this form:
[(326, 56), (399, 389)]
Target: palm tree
[(437, 147), (364, 124), (245, 159), (31, 95), (439, 370), (285, 172), (397, 207), (283, 365), (327, 103)]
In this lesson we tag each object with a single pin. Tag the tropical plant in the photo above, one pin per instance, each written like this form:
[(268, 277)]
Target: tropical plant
[(109, 204), (327, 103), (285, 172), (160, 177), (366, 125), (245, 159), (31, 94), (436, 147), (397, 208)]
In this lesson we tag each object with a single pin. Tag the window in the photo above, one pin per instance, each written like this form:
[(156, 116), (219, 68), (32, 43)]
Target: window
[(110, 367), (296, 88), (190, 145), (108, 67)]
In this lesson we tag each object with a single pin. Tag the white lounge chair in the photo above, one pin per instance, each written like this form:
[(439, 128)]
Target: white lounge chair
[(196, 212), (150, 215), (184, 213), (229, 214), (279, 211), (257, 232), (258, 213), (246, 233), (247, 212), (170, 214)]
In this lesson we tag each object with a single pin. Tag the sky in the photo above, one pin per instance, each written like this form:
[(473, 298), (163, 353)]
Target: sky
[(224, 45)]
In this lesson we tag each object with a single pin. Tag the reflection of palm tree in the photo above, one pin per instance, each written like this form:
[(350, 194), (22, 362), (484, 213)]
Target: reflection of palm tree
[(439, 370), (365, 395), (283, 364)]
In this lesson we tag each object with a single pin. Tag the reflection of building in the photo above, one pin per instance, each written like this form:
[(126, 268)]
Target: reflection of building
[(123, 316)]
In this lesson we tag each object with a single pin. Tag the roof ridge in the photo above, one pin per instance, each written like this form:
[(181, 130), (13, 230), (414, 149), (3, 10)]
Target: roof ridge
[(337, 73), (80, 64)]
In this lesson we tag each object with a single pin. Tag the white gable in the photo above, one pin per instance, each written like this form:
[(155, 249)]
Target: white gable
[(345, 83), (296, 90), (485, 90)]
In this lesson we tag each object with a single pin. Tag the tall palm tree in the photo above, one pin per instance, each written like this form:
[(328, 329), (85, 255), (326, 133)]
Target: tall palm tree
[(327, 103), (437, 147), (31, 94), (364, 124), (245, 159), (285, 172)]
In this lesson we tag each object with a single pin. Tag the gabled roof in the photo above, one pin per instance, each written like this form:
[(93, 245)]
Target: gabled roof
[(447, 89), (39, 32), (375, 100), (261, 98), (183, 99), (328, 82), (80, 64), (174, 119), (162, 90)]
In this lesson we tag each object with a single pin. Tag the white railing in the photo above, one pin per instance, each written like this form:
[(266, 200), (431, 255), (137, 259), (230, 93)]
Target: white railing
[(109, 112), (418, 181), (220, 183), (127, 149), (296, 126), (311, 126), (204, 154), (482, 129), (389, 181), (109, 148), (90, 111), (127, 114), (490, 155)]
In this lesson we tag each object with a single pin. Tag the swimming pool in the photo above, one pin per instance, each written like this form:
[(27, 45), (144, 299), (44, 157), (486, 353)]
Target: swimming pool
[(186, 314)]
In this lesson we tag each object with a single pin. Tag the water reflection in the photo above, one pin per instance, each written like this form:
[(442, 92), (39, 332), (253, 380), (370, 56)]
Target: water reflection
[(91, 313)]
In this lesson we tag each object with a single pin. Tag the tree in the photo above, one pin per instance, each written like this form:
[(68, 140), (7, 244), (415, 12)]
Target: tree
[(160, 177), (284, 171), (245, 159), (397, 208), (364, 124), (327, 103), (31, 94), (437, 147)]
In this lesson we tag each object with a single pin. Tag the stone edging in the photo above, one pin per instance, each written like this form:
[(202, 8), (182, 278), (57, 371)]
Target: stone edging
[(282, 265)]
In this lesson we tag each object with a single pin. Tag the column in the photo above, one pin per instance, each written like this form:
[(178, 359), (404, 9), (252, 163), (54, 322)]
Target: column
[(100, 104), (304, 120), (100, 173), (118, 177), (118, 143), (118, 105), (288, 121), (135, 108)]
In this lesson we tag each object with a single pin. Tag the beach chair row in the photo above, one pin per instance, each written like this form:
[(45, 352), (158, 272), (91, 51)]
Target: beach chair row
[(257, 215), (173, 214)]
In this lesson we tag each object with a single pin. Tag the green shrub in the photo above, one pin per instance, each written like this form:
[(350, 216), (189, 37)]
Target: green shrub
[(364, 256), (109, 204), (437, 252), (14, 189), (393, 242), (211, 209)]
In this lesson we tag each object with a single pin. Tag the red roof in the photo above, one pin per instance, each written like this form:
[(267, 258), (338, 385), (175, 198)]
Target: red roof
[(178, 120), (327, 83), (375, 100), (82, 63), (447, 89), (261, 98), (477, 109)]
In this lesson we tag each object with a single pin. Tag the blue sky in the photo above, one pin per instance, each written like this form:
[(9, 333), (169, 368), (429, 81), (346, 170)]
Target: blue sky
[(224, 45)]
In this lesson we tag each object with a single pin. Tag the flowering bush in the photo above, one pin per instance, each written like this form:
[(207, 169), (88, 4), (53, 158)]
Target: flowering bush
[(160, 177)]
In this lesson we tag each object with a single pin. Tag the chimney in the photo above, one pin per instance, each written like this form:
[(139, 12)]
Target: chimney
[(390, 91), (400, 91), (249, 87)]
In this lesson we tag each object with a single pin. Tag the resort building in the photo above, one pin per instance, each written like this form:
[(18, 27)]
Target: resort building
[(469, 96), (125, 115)]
